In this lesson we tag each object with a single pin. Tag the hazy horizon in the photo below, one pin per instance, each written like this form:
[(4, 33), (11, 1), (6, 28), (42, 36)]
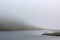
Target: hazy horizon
[(40, 13)]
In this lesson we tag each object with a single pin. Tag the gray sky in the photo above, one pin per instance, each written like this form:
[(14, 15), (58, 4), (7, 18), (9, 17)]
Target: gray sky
[(40, 13)]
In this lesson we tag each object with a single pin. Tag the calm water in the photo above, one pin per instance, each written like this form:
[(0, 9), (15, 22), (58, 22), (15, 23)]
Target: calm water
[(25, 35)]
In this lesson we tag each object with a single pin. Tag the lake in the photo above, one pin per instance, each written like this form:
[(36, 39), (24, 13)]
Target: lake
[(26, 35)]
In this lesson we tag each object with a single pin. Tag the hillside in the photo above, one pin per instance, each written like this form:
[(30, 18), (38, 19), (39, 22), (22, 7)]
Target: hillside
[(16, 26)]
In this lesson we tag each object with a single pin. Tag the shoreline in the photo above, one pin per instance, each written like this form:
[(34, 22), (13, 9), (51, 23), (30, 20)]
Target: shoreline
[(52, 34)]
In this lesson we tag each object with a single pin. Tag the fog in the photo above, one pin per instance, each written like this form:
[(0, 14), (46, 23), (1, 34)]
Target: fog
[(40, 13)]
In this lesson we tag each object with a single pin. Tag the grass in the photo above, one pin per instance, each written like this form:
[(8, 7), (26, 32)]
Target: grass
[(53, 34)]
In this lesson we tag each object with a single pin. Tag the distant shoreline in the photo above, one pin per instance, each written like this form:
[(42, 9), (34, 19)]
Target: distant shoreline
[(20, 28), (16, 30)]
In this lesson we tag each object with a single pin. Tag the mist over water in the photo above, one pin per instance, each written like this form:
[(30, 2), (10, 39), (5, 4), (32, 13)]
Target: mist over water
[(29, 15), (40, 13)]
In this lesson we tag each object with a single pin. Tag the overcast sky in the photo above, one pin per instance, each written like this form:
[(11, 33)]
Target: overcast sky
[(40, 13)]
